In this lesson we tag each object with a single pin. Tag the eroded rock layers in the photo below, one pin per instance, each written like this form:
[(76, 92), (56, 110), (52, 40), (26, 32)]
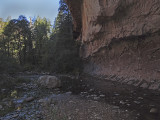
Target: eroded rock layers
[(120, 39)]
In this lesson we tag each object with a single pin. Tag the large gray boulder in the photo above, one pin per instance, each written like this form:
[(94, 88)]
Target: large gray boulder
[(49, 81)]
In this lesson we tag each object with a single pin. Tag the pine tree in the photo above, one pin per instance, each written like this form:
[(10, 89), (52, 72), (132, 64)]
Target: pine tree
[(66, 58)]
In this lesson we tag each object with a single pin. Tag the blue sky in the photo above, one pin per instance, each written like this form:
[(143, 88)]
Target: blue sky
[(29, 8)]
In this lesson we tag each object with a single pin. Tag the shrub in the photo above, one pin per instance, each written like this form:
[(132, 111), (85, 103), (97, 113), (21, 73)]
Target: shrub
[(8, 64)]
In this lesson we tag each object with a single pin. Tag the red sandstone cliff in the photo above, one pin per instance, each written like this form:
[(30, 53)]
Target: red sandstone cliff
[(120, 39)]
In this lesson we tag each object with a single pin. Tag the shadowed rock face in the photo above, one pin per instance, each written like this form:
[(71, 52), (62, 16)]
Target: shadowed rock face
[(120, 39)]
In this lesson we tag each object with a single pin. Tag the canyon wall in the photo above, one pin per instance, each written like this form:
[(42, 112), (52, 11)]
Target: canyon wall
[(120, 39)]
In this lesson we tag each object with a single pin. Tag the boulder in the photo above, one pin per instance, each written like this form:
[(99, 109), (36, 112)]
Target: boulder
[(49, 81), (29, 99), (42, 80)]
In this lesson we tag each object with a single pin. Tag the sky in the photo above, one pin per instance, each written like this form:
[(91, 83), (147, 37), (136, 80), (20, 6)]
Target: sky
[(29, 8)]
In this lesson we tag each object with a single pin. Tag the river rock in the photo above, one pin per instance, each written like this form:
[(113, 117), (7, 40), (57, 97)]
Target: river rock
[(102, 96), (49, 81), (122, 102), (1, 107), (29, 99), (115, 107), (137, 102), (14, 116), (45, 101), (154, 110)]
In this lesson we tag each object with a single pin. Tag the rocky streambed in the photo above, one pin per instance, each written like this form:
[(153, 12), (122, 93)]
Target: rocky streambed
[(78, 99)]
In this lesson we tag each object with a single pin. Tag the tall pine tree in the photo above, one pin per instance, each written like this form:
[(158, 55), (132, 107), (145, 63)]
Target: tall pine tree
[(65, 51)]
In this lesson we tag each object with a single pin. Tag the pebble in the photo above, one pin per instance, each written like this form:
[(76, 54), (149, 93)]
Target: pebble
[(3, 90), (96, 98), (128, 104), (154, 110), (93, 95), (41, 100), (115, 107), (138, 114), (116, 94), (102, 95), (122, 102), (1, 107), (14, 116), (91, 90), (19, 101), (29, 99), (84, 92), (151, 105), (140, 98), (144, 94), (137, 102)]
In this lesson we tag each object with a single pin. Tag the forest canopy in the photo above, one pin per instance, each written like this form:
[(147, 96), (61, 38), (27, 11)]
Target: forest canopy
[(37, 45)]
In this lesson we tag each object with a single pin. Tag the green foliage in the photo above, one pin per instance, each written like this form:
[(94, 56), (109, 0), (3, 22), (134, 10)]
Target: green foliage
[(8, 64), (64, 50), (41, 33), (2, 25), (17, 39), (38, 45)]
